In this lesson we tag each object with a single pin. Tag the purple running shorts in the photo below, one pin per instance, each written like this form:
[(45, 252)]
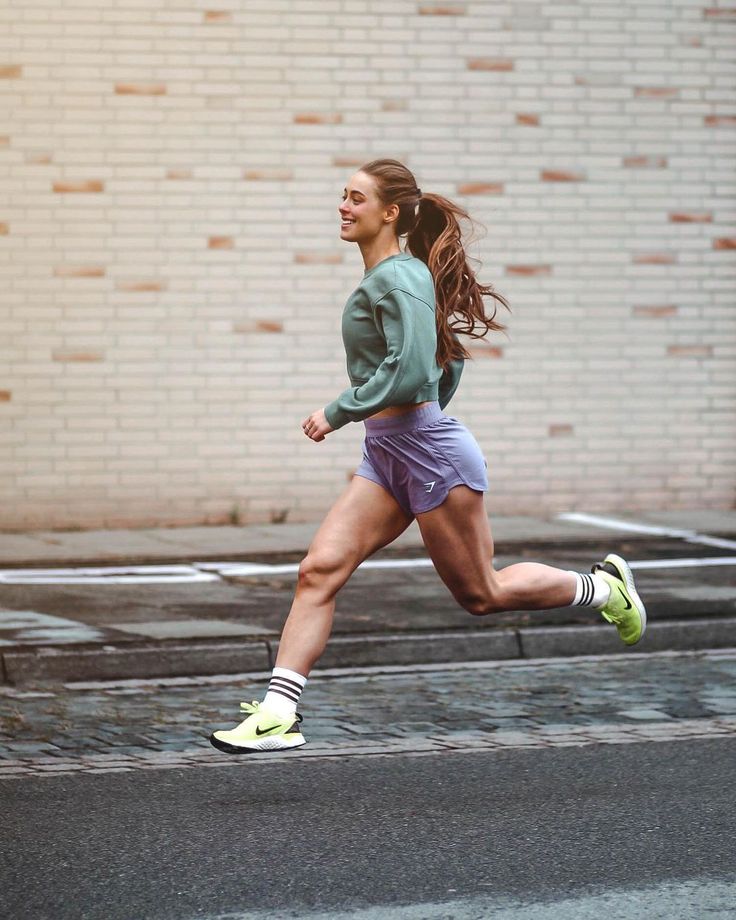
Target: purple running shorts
[(420, 455)]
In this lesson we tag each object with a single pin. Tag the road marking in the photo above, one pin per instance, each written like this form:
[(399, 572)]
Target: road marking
[(682, 563), (245, 569), (174, 574), (422, 746), (216, 571), (232, 569), (107, 575), (690, 536), (252, 569)]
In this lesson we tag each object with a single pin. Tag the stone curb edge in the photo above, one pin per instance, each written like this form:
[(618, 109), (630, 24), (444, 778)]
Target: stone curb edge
[(57, 664)]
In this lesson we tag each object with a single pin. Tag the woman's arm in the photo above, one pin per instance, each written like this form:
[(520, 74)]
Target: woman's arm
[(408, 326)]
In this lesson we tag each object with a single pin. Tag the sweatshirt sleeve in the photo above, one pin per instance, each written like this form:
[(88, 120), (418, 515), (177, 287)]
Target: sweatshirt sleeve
[(407, 324), (449, 381)]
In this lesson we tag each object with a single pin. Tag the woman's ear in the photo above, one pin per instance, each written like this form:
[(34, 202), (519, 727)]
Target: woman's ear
[(392, 214)]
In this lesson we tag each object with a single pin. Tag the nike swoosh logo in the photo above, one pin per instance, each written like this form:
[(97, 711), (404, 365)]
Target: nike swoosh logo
[(266, 730), (628, 604)]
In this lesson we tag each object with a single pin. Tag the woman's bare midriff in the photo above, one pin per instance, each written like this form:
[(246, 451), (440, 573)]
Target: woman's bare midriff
[(399, 410)]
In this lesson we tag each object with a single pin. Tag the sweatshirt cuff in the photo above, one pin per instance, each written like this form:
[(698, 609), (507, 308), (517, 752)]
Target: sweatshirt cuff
[(336, 417)]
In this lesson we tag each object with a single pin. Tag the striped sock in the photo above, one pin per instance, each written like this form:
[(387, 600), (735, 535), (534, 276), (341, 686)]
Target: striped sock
[(284, 691), (591, 591)]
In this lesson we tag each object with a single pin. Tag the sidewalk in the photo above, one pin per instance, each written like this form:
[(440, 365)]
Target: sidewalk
[(176, 544), (38, 646)]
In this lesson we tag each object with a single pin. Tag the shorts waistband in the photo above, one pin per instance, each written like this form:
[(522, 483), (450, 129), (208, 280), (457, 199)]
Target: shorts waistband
[(407, 421)]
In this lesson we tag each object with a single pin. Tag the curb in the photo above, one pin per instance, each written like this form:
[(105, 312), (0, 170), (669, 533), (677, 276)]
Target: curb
[(167, 659)]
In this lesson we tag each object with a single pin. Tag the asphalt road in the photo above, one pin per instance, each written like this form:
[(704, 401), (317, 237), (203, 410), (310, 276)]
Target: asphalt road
[(457, 834)]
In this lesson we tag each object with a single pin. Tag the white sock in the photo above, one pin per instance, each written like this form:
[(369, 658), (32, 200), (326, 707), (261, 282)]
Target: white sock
[(284, 691), (592, 590)]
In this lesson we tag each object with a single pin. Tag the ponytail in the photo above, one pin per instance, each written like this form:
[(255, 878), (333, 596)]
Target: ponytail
[(437, 240), (433, 234)]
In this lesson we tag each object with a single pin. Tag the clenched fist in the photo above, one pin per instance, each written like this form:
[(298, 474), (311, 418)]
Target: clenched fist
[(316, 426)]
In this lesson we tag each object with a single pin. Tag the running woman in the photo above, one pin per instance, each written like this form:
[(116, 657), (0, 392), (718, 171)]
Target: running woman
[(404, 362)]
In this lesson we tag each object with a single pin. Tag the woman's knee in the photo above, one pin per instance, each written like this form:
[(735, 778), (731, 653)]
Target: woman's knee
[(482, 603), (324, 569)]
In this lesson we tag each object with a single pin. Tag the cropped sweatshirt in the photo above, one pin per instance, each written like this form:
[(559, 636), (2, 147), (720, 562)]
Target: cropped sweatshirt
[(390, 338)]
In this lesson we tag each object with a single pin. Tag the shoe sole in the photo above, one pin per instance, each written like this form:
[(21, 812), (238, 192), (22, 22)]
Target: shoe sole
[(258, 746), (624, 573)]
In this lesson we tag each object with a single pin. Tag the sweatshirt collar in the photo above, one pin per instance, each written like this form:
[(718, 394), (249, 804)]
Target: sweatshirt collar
[(397, 255)]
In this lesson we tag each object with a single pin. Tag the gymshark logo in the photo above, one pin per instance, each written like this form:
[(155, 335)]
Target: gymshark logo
[(430, 485), (628, 602), (266, 730)]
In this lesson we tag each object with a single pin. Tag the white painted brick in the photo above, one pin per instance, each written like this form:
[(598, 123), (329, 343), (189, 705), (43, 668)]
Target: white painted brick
[(183, 408)]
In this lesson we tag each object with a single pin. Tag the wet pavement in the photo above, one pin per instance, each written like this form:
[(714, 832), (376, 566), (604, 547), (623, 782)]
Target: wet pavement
[(148, 622), (182, 601), (376, 598)]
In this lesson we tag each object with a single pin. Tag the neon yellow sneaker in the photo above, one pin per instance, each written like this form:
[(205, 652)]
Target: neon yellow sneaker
[(262, 730), (624, 607)]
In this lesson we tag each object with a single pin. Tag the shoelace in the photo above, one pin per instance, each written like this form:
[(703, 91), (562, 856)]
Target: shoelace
[(255, 706)]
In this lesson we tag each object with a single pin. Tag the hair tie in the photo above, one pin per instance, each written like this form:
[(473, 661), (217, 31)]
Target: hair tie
[(419, 192)]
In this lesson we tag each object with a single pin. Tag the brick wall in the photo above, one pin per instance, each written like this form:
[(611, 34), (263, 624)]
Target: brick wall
[(173, 276)]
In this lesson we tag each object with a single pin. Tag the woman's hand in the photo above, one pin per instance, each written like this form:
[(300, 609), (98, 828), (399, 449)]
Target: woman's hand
[(316, 426)]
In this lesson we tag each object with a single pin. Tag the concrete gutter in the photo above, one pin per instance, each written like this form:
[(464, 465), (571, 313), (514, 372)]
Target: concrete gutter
[(175, 659)]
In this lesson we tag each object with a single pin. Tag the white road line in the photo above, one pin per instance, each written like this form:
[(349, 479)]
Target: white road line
[(109, 575), (682, 563), (690, 536), (229, 569), (232, 569), (115, 570), (247, 569), (215, 571), (71, 579)]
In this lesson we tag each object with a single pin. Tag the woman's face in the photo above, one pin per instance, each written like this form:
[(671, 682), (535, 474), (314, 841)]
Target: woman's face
[(362, 214)]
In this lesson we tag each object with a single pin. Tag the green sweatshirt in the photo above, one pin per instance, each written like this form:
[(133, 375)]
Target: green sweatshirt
[(390, 338)]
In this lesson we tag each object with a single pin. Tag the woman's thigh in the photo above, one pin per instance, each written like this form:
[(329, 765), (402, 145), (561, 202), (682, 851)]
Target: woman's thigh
[(364, 518), (458, 537)]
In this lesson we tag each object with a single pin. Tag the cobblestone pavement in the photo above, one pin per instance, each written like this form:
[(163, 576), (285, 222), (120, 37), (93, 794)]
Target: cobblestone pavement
[(98, 727)]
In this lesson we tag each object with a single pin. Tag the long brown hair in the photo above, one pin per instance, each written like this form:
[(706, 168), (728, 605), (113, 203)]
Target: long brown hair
[(433, 234)]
